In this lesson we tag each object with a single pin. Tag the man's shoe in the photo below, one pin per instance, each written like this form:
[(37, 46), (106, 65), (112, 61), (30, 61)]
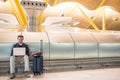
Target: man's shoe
[(26, 75), (12, 76)]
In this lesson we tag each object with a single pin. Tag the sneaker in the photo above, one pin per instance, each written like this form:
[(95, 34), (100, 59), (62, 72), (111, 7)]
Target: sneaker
[(12, 76)]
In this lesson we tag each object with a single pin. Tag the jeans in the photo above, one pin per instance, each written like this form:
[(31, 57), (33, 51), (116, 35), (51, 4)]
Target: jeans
[(12, 63)]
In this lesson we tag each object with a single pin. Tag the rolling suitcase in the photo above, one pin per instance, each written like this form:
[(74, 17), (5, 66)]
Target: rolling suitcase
[(37, 65), (38, 61)]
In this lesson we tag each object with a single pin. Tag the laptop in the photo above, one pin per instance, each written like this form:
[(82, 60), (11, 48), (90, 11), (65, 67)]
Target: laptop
[(19, 51)]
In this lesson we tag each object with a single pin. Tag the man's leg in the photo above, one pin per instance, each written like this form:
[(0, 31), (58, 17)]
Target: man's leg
[(12, 67), (26, 64)]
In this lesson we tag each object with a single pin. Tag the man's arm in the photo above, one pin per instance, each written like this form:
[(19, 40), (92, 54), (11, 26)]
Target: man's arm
[(12, 50), (27, 50)]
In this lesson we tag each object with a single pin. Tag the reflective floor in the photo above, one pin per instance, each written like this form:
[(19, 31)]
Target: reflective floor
[(90, 74)]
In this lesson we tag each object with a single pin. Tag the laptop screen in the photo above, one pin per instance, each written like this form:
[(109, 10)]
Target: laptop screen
[(19, 51)]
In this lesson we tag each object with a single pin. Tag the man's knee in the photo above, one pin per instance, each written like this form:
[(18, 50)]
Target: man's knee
[(25, 56), (12, 58)]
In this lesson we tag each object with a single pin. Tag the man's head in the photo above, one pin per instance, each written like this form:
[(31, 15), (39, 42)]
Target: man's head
[(20, 39)]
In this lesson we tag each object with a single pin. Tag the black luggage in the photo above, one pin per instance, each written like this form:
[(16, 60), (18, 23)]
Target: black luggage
[(38, 61), (37, 65)]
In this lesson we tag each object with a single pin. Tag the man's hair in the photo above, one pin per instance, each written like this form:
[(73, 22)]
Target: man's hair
[(20, 36)]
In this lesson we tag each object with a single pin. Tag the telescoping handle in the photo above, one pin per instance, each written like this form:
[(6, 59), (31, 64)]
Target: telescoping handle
[(41, 46)]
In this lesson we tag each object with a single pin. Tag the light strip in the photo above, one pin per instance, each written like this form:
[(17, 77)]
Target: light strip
[(46, 1), (39, 21), (101, 3), (11, 10), (103, 20), (55, 2), (73, 10)]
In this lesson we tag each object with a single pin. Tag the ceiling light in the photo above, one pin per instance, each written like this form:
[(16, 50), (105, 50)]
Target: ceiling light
[(115, 18), (62, 14), (91, 17), (76, 23)]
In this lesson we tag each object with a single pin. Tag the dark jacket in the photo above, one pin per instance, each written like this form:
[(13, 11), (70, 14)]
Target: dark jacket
[(17, 45)]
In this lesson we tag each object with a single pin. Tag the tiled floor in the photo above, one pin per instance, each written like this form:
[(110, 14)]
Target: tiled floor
[(91, 74)]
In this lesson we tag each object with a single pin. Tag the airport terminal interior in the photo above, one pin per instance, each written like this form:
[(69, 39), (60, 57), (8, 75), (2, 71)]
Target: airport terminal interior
[(78, 39)]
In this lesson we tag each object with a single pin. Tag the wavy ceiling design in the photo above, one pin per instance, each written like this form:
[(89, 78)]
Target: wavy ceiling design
[(92, 4), (89, 13), (94, 13)]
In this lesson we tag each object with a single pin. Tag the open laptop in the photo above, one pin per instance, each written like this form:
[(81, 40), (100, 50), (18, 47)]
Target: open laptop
[(19, 51)]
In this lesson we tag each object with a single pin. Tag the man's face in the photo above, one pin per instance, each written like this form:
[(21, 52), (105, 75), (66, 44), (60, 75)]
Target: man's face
[(20, 39)]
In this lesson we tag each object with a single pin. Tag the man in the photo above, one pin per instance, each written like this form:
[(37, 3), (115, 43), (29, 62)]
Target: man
[(20, 44)]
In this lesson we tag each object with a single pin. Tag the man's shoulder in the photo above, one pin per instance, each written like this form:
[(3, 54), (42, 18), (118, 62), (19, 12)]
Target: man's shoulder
[(15, 44), (25, 44)]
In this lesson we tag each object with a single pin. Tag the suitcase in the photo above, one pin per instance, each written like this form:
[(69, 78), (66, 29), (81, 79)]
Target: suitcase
[(38, 65)]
